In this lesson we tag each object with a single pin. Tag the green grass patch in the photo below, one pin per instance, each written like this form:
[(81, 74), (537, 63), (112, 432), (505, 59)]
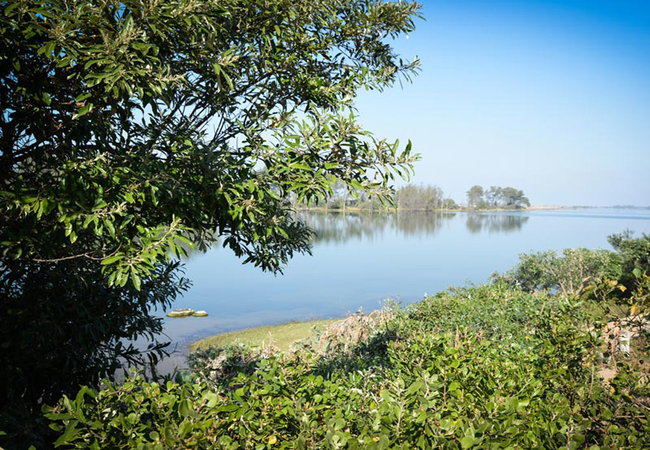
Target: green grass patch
[(280, 336)]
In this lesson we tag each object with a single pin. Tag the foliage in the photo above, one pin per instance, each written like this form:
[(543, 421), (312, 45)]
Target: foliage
[(475, 197), (634, 254), (52, 343), (426, 198), (570, 273), (224, 363), (449, 203), (597, 273), (481, 367), (131, 130), (126, 127), (496, 197), (411, 197)]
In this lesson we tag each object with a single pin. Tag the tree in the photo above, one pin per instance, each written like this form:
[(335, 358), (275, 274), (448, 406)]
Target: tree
[(475, 196), (496, 197), (426, 198), (513, 198), (130, 129), (449, 203)]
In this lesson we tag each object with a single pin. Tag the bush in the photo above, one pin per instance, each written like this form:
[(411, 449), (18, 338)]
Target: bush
[(634, 254), (568, 274), (61, 327), (483, 367)]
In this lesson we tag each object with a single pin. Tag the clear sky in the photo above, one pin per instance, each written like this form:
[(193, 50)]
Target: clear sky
[(552, 97)]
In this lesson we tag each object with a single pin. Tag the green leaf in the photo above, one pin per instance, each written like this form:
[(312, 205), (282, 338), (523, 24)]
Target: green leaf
[(83, 111), (300, 166), (10, 7), (82, 97), (68, 436), (355, 184), (467, 442), (185, 409), (112, 259), (136, 281), (185, 428)]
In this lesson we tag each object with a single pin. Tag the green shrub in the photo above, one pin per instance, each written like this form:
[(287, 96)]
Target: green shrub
[(634, 254), (481, 367), (568, 274)]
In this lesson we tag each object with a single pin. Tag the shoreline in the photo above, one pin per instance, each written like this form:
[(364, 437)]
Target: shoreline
[(280, 335), (356, 209)]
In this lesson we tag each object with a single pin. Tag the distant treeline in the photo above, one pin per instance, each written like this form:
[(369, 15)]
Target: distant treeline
[(418, 197), (496, 198)]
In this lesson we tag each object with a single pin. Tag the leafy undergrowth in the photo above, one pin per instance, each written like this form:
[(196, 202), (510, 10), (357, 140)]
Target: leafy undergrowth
[(481, 367)]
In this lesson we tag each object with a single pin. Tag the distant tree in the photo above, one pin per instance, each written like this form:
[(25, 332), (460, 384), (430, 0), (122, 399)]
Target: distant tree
[(339, 196), (426, 198), (513, 198), (496, 197), (449, 203), (475, 196)]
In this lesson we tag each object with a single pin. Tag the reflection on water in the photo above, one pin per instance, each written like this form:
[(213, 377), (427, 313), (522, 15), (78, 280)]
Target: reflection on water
[(495, 223), (336, 227), (359, 259)]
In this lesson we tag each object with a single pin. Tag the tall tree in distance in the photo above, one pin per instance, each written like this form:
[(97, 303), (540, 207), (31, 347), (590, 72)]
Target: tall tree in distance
[(132, 128), (418, 197), (496, 197), (475, 197), (514, 198), (493, 196)]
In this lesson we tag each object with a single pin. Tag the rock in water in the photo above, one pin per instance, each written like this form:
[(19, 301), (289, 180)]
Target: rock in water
[(183, 312)]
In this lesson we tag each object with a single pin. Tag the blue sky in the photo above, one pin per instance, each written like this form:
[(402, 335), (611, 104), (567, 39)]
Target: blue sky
[(552, 97)]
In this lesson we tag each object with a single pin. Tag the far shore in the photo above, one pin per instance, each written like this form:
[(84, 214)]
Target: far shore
[(549, 207), (356, 209)]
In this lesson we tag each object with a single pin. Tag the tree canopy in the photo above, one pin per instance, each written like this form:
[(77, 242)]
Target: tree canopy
[(131, 129), (129, 125), (496, 197)]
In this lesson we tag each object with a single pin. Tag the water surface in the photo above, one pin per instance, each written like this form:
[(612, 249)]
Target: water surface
[(359, 260)]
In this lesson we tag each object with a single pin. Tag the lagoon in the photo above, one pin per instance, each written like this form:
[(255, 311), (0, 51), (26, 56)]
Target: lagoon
[(360, 260)]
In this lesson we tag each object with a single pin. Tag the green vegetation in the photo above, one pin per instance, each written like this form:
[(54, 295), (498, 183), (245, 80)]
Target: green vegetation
[(277, 336), (131, 130), (411, 197), (494, 366), (570, 274), (496, 198), (414, 197), (421, 198)]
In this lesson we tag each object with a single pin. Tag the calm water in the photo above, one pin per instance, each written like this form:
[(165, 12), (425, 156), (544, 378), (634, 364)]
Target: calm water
[(360, 260)]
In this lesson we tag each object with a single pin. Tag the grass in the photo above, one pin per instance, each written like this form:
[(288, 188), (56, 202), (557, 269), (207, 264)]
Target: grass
[(280, 336)]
